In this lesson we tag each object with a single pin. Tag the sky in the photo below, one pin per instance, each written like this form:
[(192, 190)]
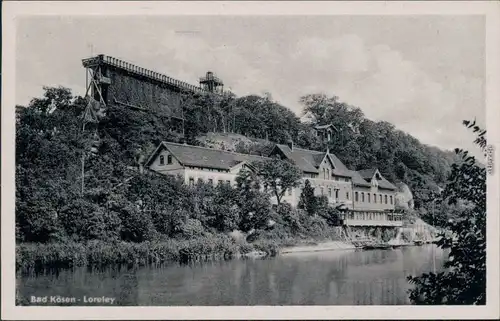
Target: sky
[(424, 74)]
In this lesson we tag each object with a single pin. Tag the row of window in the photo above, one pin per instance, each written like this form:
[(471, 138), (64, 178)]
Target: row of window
[(328, 175), (162, 160), (210, 181), (381, 198), (208, 169), (372, 216), (335, 191), (169, 162)]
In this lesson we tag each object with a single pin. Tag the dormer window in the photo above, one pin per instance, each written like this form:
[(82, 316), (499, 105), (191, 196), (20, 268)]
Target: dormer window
[(169, 159), (162, 160)]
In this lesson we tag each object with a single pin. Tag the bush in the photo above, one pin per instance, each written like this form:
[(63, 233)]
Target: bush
[(191, 229), (465, 281), (32, 257)]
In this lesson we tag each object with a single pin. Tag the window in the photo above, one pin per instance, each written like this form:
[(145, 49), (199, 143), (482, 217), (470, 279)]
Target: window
[(324, 173), (380, 198), (162, 160), (391, 199), (290, 191), (369, 195), (374, 198), (228, 183), (385, 199), (211, 181), (362, 196), (200, 180), (327, 173), (336, 194), (356, 196), (220, 181), (169, 159), (191, 181), (322, 191), (329, 192), (347, 195), (336, 178)]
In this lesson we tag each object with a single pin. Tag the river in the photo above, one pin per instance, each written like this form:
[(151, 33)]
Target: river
[(376, 277)]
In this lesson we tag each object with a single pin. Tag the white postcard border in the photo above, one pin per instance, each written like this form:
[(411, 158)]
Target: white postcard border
[(12, 9)]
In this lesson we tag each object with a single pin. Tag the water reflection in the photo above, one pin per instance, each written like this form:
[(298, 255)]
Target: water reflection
[(321, 278)]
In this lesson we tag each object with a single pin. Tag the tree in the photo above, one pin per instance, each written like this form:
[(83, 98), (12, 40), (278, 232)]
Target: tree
[(308, 201), (255, 206), (465, 282), (48, 151), (278, 175), (222, 213)]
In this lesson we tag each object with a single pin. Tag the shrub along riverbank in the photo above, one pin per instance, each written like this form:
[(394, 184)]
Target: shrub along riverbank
[(31, 257), (36, 257)]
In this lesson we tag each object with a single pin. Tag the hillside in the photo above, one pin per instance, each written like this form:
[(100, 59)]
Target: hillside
[(50, 144), (360, 142)]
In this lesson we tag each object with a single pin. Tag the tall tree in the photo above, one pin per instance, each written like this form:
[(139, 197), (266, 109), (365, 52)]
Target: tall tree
[(278, 175), (465, 281), (308, 201)]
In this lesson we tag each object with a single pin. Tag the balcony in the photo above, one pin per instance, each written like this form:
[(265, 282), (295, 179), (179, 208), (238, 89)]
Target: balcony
[(350, 222), (370, 218)]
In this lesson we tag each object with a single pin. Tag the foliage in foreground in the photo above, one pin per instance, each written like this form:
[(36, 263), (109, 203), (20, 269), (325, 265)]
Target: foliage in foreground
[(32, 256), (465, 280)]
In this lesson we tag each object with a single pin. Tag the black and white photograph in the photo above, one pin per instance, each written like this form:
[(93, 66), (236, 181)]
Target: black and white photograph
[(216, 158)]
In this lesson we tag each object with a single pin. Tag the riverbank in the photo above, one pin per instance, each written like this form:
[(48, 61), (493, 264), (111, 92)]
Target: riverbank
[(31, 257), (322, 246), (376, 277)]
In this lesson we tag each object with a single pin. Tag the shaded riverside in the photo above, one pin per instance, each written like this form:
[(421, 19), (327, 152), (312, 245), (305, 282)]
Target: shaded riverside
[(340, 278), (115, 215)]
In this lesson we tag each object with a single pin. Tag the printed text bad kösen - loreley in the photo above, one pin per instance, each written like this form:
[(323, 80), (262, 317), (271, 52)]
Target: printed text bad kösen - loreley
[(64, 299)]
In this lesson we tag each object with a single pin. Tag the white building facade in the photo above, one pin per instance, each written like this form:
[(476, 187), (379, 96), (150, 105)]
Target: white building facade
[(366, 194)]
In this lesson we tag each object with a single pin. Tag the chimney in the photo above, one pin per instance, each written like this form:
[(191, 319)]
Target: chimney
[(290, 144)]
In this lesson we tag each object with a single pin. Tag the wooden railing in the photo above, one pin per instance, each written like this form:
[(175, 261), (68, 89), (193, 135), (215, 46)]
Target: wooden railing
[(371, 218)]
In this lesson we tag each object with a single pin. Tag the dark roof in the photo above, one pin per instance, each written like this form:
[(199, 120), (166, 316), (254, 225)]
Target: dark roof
[(301, 158), (386, 184), (367, 175), (358, 180), (197, 156), (309, 160)]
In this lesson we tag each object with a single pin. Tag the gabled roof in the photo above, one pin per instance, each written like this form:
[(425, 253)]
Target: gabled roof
[(197, 156), (303, 160), (386, 184), (358, 180), (320, 127), (367, 175), (308, 117), (309, 160)]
